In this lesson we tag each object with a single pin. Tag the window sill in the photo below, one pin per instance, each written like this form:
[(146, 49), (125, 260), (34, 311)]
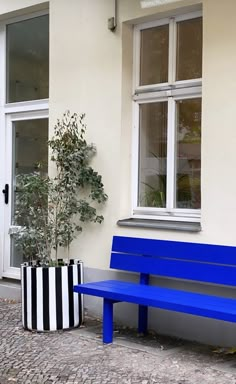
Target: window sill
[(160, 224)]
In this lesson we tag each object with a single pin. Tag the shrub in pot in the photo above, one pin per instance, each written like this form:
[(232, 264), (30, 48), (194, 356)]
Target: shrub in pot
[(50, 212)]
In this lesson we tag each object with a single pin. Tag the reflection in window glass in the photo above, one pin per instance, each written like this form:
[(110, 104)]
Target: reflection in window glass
[(30, 146), (152, 155), (28, 59), (154, 55), (188, 172), (189, 49), (30, 149)]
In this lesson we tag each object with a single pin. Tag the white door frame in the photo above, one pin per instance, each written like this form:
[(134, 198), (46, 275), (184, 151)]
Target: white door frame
[(7, 270), (8, 112)]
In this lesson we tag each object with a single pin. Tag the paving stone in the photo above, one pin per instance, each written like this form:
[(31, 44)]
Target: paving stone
[(79, 357)]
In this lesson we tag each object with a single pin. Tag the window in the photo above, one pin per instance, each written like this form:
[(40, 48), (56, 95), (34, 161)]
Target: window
[(27, 59), (167, 108)]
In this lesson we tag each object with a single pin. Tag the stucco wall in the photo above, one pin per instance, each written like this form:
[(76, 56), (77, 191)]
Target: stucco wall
[(219, 134), (14, 8), (91, 72)]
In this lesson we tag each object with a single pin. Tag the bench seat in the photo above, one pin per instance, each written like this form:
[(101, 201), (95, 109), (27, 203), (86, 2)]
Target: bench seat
[(164, 298), (199, 263)]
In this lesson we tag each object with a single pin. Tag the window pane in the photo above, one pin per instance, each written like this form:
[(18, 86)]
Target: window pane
[(189, 49), (30, 148), (28, 59), (152, 155), (154, 55), (188, 177)]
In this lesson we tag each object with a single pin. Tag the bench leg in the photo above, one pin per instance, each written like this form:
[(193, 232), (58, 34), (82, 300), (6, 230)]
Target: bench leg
[(107, 321), (142, 318)]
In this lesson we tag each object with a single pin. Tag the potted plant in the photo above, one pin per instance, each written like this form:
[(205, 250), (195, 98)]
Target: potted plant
[(50, 212)]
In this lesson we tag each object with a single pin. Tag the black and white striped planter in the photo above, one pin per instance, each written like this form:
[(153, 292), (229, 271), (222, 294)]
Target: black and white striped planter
[(48, 300)]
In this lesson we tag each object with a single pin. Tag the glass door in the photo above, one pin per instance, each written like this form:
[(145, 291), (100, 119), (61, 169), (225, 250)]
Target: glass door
[(26, 148), (24, 92)]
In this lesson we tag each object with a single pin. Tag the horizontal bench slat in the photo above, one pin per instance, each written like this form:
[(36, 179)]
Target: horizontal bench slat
[(164, 298), (220, 254), (203, 272)]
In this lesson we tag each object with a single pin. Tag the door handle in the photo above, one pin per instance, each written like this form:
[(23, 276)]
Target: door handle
[(6, 193)]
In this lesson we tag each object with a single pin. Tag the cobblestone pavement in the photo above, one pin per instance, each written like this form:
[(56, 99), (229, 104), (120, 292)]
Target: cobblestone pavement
[(78, 356)]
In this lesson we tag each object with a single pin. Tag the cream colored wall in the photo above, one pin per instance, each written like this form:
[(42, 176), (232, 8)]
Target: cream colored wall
[(91, 72), (219, 125), (130, 10), (20, 7), (85, 76)]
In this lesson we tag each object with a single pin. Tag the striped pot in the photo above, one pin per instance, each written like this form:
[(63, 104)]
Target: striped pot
[(48, 301)]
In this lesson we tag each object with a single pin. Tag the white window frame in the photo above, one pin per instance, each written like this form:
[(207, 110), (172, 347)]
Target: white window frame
[(170, 92), (10, 112)]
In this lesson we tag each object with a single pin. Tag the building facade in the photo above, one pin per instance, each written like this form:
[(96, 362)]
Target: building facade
[(158, 93)]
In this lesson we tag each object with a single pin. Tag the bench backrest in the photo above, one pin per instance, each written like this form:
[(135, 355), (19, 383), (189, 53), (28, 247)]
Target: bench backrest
[(191, 261)]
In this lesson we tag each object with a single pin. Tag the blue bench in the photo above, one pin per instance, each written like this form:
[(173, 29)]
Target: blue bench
[(213, 264)]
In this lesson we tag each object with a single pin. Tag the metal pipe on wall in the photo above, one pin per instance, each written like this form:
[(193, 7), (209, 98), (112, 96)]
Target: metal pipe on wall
[(112, 21)]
